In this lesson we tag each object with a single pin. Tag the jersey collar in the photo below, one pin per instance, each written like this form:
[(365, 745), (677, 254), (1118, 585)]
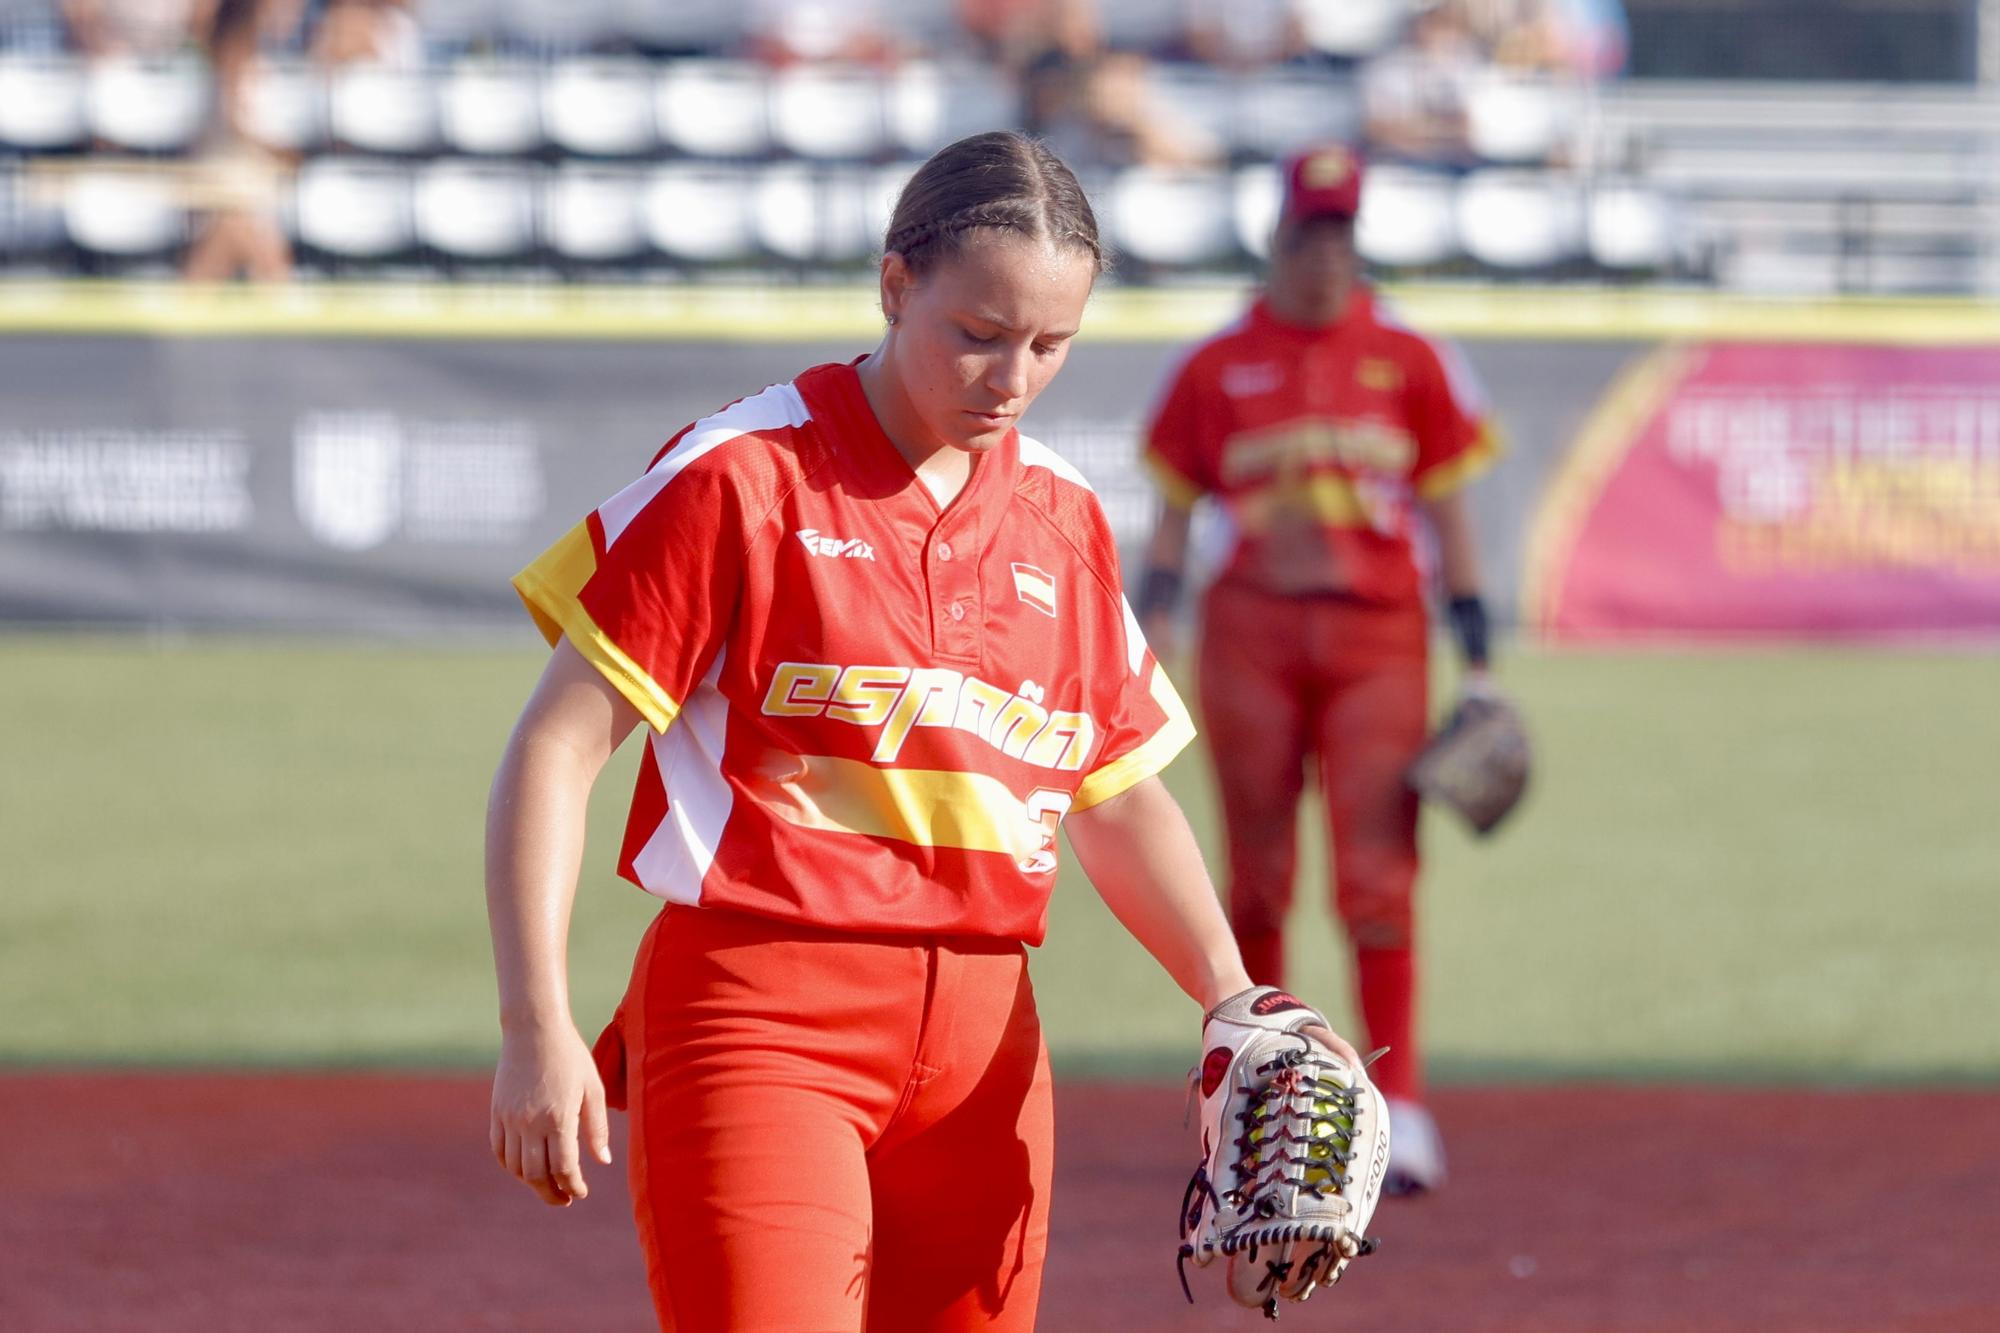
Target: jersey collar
[(1360, 309), (833, 393)]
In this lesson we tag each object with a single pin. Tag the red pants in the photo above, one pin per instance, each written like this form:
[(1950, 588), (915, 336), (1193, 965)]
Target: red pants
[(1288, 679), (833, 1131)]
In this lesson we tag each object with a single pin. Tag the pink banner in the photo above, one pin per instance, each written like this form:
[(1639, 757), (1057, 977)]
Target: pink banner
[(1780, 490)]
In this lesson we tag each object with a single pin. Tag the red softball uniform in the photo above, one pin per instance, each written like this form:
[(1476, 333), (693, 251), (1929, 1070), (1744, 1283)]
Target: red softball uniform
[(868, 714), (1314, 643), (1315, 440)]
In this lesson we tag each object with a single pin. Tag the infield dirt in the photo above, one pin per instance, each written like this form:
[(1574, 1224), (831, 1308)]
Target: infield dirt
[(172, 1203)]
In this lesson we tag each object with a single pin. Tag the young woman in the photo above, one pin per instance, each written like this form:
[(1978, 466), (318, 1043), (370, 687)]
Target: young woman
[(1324, 425), (878, 637)]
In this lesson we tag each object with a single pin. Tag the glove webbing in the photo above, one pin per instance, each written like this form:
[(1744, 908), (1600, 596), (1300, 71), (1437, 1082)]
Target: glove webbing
[(1293, 1074)]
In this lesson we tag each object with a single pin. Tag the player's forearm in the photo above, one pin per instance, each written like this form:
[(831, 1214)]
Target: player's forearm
[(1168, 547), (1458, 568), (1458, 549), (534, 849), (1159, 591), (1143, 860)]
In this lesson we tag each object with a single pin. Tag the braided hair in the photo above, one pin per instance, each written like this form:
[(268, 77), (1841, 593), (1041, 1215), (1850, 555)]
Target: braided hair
[(1001, 180)]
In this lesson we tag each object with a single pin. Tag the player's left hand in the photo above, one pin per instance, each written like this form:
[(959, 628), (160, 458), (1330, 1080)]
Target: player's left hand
[(1326, 1036), (1295, 1147)]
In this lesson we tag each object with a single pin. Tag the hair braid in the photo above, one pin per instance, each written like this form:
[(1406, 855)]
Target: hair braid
[(1001, 181)]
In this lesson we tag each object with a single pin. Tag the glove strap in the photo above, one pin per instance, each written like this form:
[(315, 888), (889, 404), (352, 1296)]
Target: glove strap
[(1268, 1000)]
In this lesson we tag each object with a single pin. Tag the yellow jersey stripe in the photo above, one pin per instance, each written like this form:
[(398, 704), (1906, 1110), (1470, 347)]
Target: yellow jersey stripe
[(1130, 769), (1447, 477), (922, 807), (1326, 497), (1176, 489), (552, 588)]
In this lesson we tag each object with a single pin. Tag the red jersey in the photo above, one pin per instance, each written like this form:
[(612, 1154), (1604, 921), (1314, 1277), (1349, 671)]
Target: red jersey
[(867, 713), (1315, 441)]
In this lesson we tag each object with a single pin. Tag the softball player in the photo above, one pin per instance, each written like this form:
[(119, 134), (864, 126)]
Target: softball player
[(1316, 420), (879, 641)]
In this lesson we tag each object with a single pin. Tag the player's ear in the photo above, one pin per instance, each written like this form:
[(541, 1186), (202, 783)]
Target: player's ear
[(897, 283)]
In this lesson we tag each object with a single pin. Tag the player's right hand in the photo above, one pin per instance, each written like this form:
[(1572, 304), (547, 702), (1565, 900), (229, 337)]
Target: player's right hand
[(547, 1097)]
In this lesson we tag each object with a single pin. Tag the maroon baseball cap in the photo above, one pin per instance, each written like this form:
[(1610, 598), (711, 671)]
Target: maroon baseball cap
[(1323, 182)]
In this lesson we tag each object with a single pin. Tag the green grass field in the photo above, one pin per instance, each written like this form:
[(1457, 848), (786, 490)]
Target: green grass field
[(1748, 866)]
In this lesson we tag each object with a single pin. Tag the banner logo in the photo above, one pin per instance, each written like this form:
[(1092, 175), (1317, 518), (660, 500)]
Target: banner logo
[(360, 479), (347, 477)]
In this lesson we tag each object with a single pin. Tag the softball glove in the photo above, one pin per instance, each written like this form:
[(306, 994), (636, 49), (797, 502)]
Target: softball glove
[(1294, 1148), (1478, 763)]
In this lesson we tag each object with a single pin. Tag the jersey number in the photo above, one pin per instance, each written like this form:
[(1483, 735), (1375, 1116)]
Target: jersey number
[(1046, 808)]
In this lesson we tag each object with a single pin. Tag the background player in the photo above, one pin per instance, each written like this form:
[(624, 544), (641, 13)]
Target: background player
[(880, 640), (1316, 420)]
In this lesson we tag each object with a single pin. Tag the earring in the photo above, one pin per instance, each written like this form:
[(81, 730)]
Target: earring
[(892, 319)]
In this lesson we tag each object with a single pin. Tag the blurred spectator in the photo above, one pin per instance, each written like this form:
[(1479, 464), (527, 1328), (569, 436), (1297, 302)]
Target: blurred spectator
[(999, 31), (236, 181), (1015, 34), (1415, 96), (234, 35), (1586, 38), (101, 28), (784, 32), (1522, 35), (1102, 111), (368, 32), (1244, 34), (1094, 107)]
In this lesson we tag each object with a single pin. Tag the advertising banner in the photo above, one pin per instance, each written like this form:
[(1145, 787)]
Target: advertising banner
[(1779, 490), (393, 484), (1674, 470)]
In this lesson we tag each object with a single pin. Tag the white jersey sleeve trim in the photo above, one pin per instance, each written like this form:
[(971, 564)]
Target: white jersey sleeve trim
[(776, 408), (1036, 454), (1135, 639), (1461, 381), (675, 860)]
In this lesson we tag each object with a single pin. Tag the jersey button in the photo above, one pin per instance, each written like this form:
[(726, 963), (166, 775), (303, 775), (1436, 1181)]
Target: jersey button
[(944, 550), (958, 610)]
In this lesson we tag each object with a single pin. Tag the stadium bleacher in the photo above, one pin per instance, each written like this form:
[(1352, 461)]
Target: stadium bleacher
[(1821, 187), (637, 134), (351, 210), (591, 214), (42, 106), (697, 214)]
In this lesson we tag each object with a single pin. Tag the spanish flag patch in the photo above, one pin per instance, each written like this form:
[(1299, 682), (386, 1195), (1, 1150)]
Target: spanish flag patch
[(1036, 588)]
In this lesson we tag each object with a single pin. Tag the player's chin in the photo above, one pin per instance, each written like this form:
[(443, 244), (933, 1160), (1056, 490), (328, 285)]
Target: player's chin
[(980, 431)]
